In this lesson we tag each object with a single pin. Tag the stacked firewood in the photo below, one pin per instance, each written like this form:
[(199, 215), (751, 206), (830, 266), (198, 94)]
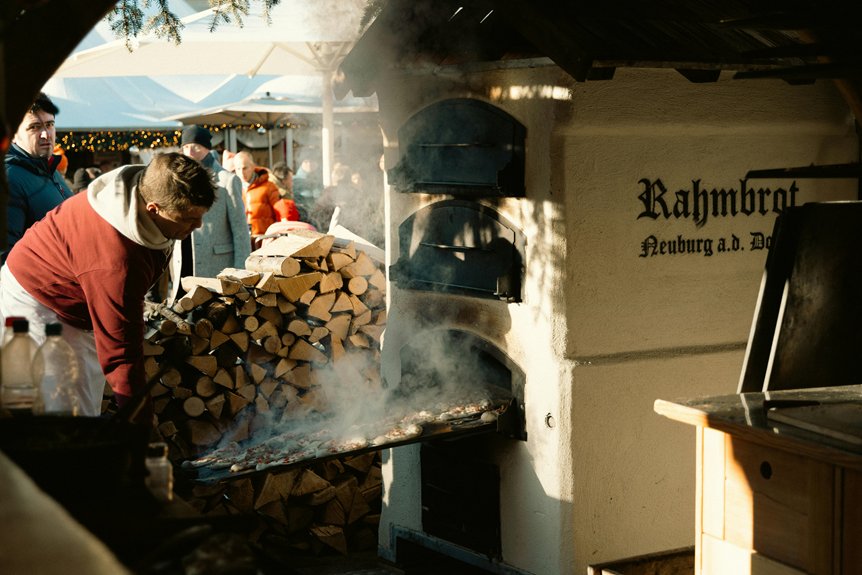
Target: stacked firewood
[(332, 504), (255, 341), (258, 346)]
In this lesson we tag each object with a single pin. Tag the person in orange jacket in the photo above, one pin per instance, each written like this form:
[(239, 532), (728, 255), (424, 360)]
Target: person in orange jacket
[(263, 203)]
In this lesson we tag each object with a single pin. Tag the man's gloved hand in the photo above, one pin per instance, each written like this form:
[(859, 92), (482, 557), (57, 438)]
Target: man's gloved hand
[(152, 310), (145, 414)]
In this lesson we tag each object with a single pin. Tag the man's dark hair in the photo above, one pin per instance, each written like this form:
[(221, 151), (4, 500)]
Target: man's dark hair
[(43, 103), (280, 170)]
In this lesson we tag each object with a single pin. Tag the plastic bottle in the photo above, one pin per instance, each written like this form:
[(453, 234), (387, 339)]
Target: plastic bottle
[(56, 372), (7, 330), (18, 393), (160, 472)]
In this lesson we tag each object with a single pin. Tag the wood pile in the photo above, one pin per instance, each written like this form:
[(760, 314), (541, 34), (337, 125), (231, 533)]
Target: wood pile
[(328, 505), (256, 340), (253, 347)]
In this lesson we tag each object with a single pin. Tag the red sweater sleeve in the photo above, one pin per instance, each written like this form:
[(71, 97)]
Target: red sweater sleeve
[(116, 308)]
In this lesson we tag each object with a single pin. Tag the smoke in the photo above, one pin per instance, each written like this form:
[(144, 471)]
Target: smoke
[(441, 371)]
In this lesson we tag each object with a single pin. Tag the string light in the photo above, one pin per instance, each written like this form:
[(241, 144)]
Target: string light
[(119, 140)]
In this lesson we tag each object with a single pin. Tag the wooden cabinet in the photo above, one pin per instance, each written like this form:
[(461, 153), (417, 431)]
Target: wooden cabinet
[(771, 501), (761, 505)]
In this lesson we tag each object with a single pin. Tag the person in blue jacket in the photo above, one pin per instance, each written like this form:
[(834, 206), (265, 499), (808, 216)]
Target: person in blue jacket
[(35, 185)]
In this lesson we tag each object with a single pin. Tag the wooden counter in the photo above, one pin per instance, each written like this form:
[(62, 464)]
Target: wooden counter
[(773, 497)]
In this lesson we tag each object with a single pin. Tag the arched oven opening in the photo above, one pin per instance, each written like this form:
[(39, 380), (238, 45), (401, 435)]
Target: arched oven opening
[(460, 481)]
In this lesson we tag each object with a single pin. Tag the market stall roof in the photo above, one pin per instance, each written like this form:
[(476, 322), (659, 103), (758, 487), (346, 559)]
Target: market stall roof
[(271, 103), (800, 41), (118, 103)]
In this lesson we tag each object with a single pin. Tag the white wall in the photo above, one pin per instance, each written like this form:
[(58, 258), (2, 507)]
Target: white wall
[(612, 331)]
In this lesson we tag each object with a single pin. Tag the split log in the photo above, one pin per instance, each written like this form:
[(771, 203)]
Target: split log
[(206, 364), (378, 280), (194, 406), (221, 286), (204, 328), (299, 328), (308, 296), (269, 281), (276, 487), (331, 282), (258, 373), (251, 323), (284, 306), (320, 306), (359, 306), (268, 330), (362, 266), (298, 244), (168, 428), (357, 285), (308, 482), (205, 386), (283, 366), (317, 334), (271, 314), (215, 405), (304, 351), (249, 307), (236, 402), (331, 536), (375, 332), (202, 433), (338, 260), (199, 345), (342, 303), (231, 325), (280, 265), (183, 327), (217, 339), (158, 390), (241, 340), (152, 349), (271, 343), (246, 277), (338, 326), (171, 378), (224, 379), (293, 287)]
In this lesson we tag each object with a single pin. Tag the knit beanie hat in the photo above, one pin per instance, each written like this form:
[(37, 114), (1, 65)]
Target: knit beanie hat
[(81, 180), (197, 135)]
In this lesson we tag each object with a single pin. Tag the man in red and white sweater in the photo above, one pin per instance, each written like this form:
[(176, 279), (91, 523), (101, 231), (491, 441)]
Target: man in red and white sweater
[(91, 260)]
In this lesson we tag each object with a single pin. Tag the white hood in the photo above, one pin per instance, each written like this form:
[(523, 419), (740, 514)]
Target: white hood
[(115, 198)]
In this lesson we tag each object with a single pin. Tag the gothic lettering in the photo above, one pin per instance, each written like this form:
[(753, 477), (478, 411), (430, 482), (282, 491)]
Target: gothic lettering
[(701, 204)]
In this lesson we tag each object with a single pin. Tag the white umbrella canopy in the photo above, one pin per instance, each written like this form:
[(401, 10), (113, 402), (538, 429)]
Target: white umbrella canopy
[(121, 103), (271, 103), (305, 37)]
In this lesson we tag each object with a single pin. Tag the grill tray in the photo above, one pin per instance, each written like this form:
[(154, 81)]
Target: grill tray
[(450, 429)]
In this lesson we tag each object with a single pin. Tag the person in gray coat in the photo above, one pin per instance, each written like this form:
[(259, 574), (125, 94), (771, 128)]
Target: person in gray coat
[(223, 241)]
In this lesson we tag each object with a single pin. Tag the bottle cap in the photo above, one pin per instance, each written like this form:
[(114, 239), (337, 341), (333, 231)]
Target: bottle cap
[(20, 325), (54, 329), (158, 449)]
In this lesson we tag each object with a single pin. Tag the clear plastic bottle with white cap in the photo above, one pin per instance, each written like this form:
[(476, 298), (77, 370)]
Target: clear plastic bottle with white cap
[(18, 393), (56, 371)]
